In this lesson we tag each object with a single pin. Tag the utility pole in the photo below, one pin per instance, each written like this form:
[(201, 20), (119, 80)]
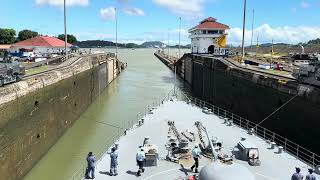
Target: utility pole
[(252, 29), (65, 30), (179, 36), (257, 44), (175, 66), (271, 54), (244, 28), (168, 42), (116, 32)]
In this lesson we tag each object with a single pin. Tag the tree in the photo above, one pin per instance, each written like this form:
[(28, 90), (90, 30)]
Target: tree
[(71, 38), (7, 36), (26, 34)]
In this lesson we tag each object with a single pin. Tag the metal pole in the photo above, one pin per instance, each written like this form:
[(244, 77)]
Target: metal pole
[(65, 29), (214, 154), (168, 42), (244, 27), (179, 36), (116, 15), (252, 30), (271, 54)]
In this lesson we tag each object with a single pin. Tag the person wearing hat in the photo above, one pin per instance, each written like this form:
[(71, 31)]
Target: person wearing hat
[(310, 176), (297, 175), (196, 155), (140, 157), (113, 162), (91, 160)]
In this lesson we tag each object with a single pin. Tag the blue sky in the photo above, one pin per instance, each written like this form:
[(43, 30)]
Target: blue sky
[(290, 21)]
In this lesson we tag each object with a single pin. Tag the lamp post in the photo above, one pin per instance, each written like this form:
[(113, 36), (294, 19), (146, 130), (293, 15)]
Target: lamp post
[(116, 18), (65, 30), (244, 28)]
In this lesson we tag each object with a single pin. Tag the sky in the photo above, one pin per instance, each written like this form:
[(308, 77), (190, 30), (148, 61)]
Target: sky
[(287, 21)]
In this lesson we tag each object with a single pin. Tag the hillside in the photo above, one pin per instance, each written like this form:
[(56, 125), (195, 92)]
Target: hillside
[(152, 44)]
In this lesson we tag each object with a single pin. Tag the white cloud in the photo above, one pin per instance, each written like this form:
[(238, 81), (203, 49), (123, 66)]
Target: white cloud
[(305, 4), (60, 2), (183, 7), (282, 34), (108, 13), (134, 11)]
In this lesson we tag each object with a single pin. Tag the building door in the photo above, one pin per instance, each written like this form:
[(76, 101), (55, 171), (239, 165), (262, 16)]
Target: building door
[(211, 49)]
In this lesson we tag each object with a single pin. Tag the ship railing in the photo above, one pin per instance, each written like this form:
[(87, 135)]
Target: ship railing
[(292, 148), (101, 151)]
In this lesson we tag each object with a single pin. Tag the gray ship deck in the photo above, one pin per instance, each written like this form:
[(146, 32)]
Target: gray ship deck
[(273, 166)]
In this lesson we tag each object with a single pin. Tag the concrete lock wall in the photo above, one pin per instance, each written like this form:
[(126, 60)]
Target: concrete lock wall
[(31, 123), (255, 97)]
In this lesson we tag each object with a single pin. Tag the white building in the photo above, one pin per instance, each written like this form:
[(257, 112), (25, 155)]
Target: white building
[(209, 37)]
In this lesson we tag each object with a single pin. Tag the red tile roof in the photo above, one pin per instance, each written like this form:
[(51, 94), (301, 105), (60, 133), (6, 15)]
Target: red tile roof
[(42, 41), (211, 23), (5, 46)]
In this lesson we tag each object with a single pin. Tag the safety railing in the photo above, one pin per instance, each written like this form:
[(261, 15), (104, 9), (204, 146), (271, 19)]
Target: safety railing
[(129, 125), (299, 152)]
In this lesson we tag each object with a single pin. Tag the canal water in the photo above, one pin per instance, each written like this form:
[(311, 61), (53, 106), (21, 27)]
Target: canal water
[(142, 83)]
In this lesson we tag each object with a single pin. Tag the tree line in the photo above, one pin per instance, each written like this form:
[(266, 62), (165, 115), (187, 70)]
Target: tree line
[(9, 36)]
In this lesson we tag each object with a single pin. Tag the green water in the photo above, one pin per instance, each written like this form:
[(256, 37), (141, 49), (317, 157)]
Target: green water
[(142, 83)]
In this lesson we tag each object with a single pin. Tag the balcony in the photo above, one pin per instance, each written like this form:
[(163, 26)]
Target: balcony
[(206, 35)]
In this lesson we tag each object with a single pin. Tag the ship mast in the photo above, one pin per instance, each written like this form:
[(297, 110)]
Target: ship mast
[(244, 28), (65, 29)]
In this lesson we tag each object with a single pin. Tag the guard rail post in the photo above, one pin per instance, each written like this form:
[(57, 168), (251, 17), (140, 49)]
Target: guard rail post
[(285, 144)]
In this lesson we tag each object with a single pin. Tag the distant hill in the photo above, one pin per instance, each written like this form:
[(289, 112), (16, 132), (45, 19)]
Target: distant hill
[(94, 43), (102, 43), (315, 41), (151, 44), (313, 46)]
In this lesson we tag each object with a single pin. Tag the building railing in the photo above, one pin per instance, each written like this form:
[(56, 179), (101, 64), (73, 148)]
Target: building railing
[(299, 152)]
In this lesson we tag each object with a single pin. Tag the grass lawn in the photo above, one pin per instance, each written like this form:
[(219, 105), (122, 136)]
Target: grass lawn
[(37, 70)]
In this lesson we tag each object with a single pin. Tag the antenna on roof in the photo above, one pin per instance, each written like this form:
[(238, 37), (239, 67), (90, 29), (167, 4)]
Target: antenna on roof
[(244, 27), (65, 30)]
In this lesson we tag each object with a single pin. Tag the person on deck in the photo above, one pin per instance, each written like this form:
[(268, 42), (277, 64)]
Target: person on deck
[(310, 176), (297, 175), (114, 162), (91, 160), (140, 157), (196, 155)]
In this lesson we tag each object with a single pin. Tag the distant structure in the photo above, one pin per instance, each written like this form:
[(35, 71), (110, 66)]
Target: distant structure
[(209, 37), (40, 44)]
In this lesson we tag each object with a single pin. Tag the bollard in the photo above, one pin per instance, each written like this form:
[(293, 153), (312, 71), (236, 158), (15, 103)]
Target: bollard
[(273, 145), (142, 120), (280, 150), (225, 120), (251, 131)]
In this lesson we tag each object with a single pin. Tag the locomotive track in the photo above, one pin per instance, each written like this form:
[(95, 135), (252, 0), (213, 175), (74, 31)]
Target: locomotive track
[(68, 64), (50, 70)]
